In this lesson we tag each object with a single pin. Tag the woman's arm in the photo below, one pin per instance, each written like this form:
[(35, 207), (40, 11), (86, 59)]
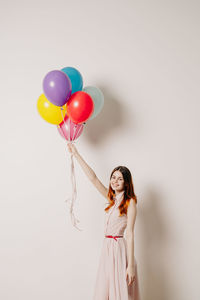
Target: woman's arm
[(88, 171), (131, 217)]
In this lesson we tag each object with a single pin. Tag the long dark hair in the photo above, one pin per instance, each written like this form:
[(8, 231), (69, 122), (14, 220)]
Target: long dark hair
[(128, 190)]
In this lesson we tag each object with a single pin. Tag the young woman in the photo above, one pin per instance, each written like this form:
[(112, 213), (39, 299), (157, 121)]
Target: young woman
[(117, 277)]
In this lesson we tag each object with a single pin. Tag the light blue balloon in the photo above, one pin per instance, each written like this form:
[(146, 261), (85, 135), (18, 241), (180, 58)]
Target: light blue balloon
[(97, 97), (75, 78)]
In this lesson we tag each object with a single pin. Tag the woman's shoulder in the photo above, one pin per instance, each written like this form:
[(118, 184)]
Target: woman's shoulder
[(132, 206)]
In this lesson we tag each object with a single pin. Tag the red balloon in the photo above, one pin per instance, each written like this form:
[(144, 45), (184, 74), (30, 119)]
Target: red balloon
[(80, 107)]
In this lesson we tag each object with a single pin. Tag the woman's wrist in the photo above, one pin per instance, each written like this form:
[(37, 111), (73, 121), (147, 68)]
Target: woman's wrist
[(76, 154), (131, 266)]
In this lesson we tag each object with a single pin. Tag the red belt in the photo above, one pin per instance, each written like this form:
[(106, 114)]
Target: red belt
[(114, 236)]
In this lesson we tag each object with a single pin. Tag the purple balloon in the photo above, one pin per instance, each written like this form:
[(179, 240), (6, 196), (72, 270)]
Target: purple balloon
[(57, 87)]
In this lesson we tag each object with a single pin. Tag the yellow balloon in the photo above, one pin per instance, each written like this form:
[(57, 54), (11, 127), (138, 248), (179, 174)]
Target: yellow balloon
[(50, 112)]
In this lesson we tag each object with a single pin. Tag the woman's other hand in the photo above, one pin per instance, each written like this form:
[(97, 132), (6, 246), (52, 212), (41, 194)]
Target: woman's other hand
[(130, 275), (72, 149)]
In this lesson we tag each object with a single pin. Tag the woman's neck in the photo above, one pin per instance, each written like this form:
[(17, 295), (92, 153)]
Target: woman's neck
[(119, 193)]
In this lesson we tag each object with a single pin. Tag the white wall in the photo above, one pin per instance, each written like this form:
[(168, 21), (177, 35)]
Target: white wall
[(144, 55)]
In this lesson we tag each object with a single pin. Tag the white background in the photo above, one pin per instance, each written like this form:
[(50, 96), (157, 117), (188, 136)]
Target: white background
[(144, 56)]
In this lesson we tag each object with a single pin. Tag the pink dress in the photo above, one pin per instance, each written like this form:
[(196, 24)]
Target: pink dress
[(111, 283)]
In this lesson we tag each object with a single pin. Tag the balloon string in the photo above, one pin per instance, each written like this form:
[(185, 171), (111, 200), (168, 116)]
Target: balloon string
[(70, 130), (74, 130), (63, 119), (79, 129), (72, 199)]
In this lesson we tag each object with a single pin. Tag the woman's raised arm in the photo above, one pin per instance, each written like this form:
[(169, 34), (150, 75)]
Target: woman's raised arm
[(88, 170)]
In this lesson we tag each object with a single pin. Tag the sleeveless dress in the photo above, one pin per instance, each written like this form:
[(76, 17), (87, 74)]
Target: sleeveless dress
[(111, 283)]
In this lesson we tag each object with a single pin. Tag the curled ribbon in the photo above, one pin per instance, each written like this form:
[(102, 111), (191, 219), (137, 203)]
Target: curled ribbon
[(72, 199)]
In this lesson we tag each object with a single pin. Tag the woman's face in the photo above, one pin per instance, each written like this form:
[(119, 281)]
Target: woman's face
[(117, 181)]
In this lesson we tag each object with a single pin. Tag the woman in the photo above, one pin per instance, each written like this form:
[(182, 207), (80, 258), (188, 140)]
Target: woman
[(117, 277)]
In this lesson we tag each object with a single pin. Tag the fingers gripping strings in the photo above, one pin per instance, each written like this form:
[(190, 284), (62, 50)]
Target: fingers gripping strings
[(72, 199)]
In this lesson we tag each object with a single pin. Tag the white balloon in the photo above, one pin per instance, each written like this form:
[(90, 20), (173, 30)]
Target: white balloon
[(97, 97)]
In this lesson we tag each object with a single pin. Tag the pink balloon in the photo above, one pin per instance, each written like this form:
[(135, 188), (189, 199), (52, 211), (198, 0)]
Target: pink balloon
[(69, 130)]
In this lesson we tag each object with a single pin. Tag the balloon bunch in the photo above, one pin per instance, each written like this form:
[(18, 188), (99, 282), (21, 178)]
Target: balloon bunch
[(66, 104)]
